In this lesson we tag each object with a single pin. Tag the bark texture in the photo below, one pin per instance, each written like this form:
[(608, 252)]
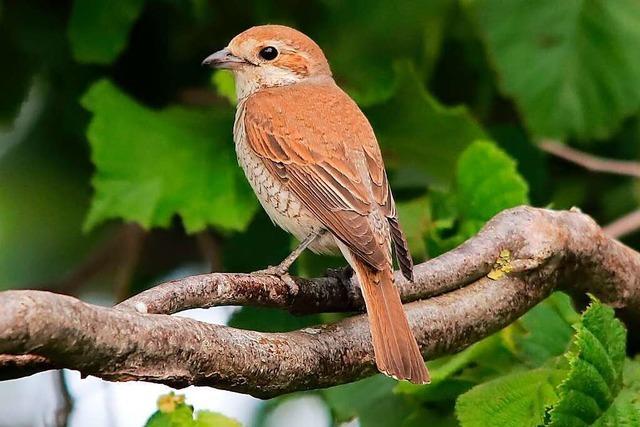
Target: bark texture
[(540, 251)]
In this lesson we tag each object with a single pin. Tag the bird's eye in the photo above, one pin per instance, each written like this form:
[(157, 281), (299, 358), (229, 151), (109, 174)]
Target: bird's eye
[(269, 53)]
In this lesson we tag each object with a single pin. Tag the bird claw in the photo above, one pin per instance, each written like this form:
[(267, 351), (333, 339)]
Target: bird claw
[(277, 271), (343, 274)]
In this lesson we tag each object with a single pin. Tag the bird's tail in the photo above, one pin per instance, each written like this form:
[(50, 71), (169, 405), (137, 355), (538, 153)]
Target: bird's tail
[(396, 350)]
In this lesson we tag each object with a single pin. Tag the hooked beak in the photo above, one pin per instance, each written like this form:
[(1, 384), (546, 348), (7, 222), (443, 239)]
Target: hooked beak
[(223, 59)]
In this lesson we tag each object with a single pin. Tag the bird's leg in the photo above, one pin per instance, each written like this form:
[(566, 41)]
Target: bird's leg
[(282, 268)]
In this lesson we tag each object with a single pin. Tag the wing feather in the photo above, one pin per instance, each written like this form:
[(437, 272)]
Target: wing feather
[(317, 141)]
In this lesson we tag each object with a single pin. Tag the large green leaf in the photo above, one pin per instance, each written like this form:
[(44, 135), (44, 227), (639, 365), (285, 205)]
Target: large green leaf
[(487, 182), (370, 400), (214, 419), (98, 29), (625, 409), (576, 389), (517, 400), (596, 362), (543, 332), (225, 85), (418, 135), (454, 375), (152, 165), (572, 66), (363, 64)]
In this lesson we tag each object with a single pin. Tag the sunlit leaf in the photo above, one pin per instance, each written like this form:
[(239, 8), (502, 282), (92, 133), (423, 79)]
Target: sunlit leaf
[(487, 183), (596, 362), (152, 165), (625, 409), (516, 400), (577, 389), (225, 85), (174, 412)]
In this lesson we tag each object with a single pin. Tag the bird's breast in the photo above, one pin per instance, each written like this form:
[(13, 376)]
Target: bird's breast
[(282, 206)]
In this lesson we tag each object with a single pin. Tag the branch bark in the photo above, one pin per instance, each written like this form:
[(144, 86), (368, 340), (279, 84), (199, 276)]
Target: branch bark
[(138, 340)]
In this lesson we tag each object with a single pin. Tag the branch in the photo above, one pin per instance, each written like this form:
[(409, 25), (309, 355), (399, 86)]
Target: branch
[(627, 224), (137, 340), (591, 162)]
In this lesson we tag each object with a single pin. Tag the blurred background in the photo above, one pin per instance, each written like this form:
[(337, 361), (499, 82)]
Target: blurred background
[(117, 167)]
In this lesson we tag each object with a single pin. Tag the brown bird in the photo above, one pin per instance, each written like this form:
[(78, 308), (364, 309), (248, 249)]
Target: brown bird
[(314, 162)]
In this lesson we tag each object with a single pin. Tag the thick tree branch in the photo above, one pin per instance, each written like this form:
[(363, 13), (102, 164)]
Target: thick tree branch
[(548, 250)]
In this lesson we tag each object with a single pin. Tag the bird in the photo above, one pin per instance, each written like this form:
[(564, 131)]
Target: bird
[(313, 160)]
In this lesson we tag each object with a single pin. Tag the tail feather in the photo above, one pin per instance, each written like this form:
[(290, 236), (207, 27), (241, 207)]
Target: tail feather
[(396, 350)]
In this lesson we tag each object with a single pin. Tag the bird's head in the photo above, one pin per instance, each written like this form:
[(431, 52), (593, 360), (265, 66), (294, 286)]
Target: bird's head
[(268, 56)]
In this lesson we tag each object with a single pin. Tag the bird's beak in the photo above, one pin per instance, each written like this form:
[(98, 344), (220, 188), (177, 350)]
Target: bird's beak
[(223, 59)]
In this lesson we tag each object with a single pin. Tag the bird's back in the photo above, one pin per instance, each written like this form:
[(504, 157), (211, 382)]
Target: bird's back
[(315, 140)]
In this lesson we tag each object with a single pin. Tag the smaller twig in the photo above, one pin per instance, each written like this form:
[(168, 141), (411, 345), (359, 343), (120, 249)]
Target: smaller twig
[(589, 161), (209, 245), (132, 240), (66, 404), (624, 225), (96, 262)]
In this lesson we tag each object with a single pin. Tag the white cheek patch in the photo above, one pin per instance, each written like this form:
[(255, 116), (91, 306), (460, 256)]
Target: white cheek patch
[(250, 79), (276, 76)]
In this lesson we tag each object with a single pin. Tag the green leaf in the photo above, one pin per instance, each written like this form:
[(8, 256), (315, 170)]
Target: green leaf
[(214, 419), (625, 409), (517, 400), (415, 218), (427, 417), (174, 412), (152, 165), (370, 400), (98, 29), (571, 66), (181, 416), (418, 31), (454, 375), (419, 136), (577, 393), (225, 85), (543, 332), (596, 361), (487, 182)]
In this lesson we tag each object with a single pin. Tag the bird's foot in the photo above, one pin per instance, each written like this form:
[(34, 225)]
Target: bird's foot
[(343, 274), (273, 270)]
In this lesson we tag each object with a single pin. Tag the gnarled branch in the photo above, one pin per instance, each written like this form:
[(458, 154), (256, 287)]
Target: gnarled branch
[(138, 340)]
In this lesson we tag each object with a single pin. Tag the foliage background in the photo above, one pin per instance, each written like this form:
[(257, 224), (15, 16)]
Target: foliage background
[(117, 166)]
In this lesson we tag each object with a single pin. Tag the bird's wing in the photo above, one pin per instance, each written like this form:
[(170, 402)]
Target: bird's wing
[(317, 141)]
